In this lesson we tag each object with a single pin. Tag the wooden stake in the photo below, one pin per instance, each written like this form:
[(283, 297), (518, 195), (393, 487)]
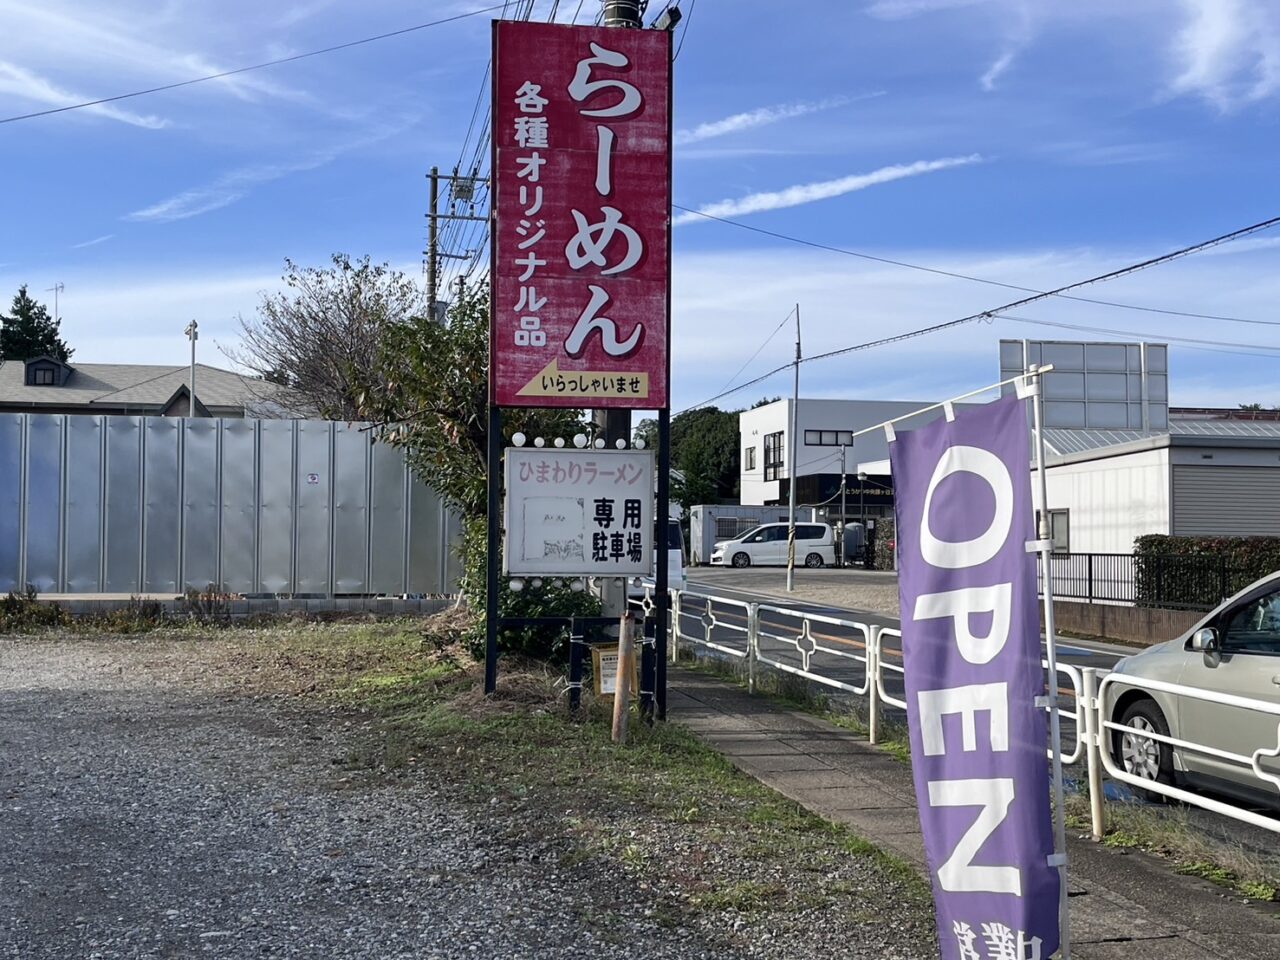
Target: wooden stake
[(622, 685)]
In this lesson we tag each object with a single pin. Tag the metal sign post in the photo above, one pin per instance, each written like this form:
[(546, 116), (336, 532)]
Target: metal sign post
[(581, 253)]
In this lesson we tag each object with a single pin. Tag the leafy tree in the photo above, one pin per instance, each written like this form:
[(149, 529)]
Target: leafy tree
[(427, 392), (705, 449), (1251, 406), (29, 331), (321, 336), (765, 401)]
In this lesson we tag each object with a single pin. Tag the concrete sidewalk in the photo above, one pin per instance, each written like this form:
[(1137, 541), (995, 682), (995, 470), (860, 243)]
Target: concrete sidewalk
[(1127, 906)]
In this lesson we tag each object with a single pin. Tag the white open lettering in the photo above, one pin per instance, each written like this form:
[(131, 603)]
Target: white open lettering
[(959, 605), (966, 702), (955, 555), (959, 874)]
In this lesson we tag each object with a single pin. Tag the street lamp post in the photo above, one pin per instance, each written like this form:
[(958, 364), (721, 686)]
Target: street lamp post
[(193, 335), (862, 512), (844, 518)]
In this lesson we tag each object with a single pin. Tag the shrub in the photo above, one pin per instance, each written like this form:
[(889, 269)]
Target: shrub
[(210, 605), (24, 612), (138, 616), (1199, 571), (886, 538), (547, 643)]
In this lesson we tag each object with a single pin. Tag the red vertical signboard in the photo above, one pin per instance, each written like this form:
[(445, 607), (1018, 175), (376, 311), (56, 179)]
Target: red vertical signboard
[(582, 199)]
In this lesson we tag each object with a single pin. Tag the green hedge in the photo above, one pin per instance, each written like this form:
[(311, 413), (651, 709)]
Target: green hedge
[(1199, 571), (886, 535), (552, 599)]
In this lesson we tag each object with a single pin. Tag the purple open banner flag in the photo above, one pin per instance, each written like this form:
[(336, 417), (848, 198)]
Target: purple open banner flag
[(971, 651)]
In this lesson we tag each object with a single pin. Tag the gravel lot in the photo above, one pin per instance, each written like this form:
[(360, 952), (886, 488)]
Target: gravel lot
[(871, 590), (154, 809)]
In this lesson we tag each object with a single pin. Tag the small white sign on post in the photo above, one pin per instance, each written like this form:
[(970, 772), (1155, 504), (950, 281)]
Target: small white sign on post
[(578, 512)]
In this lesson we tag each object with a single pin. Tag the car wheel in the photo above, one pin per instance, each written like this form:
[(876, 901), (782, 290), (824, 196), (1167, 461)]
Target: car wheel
[(741, 560), (1140, 755), (813, 560)]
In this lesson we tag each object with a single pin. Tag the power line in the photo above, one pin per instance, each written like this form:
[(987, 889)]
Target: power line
[(685, 32), (759, 349), (255, 66), (1132, 333), (964, 276), (994, 312)]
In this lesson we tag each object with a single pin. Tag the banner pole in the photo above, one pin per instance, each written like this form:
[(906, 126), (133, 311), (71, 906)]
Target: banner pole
[(1044, 546)]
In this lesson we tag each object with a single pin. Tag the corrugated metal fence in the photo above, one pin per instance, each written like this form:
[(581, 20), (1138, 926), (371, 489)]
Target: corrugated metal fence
[(98, 504)]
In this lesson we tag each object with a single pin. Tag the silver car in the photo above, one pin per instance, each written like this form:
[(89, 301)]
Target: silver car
[(1235, 651)]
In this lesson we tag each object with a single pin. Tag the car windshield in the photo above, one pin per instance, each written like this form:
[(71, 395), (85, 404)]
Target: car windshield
[(675, 538), (752, 535)]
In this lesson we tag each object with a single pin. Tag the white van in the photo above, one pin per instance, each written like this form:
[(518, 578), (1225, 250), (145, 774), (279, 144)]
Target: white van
[(675, 563), (766, 545)]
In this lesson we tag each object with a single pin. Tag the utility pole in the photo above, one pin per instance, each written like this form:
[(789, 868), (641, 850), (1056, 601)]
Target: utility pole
[(461, 189), (622, 13), (615, 425), (794, 469), (844, 520), (433, 242), (862, 512), (193, 335)]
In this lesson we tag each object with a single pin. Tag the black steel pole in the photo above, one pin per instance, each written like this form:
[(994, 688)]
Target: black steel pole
[(662, 599), (494, 545)]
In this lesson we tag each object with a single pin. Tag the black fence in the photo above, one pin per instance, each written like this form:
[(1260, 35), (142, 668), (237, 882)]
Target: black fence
[(1196, 582)]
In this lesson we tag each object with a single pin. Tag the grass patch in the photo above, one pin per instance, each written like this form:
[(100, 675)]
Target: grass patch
[(1168, 833), (668, 811)]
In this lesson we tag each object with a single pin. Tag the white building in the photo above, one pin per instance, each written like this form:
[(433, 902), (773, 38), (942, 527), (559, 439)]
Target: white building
[(1212, 477), (825, 428), (1210, 472)]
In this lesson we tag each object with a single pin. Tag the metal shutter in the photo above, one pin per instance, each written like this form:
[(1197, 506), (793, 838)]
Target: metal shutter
[(1226, 501)]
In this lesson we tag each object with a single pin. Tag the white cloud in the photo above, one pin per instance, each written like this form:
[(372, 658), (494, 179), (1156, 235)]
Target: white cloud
[(222, 192), (236, 184), (725, 304), (110, 48), (901, 9), (996, 70), (1229, 51), (21, 82), (763, 116), (1093, 153), (811, 192), (94, 242)]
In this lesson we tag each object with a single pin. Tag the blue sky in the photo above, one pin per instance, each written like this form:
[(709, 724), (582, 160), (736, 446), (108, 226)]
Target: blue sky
[(1030, 143)]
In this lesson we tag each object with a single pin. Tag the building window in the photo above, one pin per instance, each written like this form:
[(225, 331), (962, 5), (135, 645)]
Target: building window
[(1059, 529), (828, 438), (772, 455), (749, 458), (42, 376)]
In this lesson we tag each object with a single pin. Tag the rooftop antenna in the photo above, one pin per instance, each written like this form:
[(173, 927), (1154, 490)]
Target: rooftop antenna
[(56, 289)]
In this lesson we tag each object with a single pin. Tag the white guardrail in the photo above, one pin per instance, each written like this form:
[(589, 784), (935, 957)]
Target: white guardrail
[(865, 660)]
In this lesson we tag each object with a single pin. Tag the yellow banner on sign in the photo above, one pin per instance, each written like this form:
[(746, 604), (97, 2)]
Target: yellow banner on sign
[(551, 381)]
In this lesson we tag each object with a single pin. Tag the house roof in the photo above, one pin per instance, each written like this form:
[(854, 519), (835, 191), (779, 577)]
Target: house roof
[(1069, 442), (134, 385)]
